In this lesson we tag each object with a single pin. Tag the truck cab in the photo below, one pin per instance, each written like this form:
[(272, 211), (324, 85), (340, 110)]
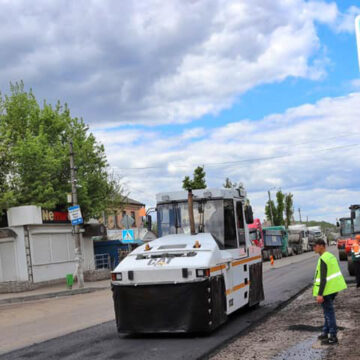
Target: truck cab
[(211, 272), (256, 233), (299, 238), (345, 225)]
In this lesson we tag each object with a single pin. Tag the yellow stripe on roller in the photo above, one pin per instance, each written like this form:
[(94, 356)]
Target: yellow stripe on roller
[(236, 288), (218, 268), (244, 261)]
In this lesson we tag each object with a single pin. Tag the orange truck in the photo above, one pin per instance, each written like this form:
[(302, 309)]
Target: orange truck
[(345, 225), (355, 230)]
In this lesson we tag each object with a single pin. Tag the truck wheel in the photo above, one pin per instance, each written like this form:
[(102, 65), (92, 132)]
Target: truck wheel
[(351, 267)]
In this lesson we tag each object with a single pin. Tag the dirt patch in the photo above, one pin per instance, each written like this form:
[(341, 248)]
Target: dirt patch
[(349, 314), (292, 332)]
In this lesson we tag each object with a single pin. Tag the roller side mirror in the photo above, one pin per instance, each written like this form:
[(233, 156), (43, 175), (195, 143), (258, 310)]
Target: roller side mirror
[(148, 222), (249, 216)]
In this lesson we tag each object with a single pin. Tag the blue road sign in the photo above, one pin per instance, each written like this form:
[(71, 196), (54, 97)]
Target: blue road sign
[(77, 221), (75, 215), (128, 236)]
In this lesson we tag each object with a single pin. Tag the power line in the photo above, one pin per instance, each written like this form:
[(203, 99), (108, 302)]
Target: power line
[(242, 160)]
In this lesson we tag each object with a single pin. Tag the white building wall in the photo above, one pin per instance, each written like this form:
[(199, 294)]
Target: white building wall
[(51, 245), (24, 215), (19, 266), (53, 252), (7, 260)]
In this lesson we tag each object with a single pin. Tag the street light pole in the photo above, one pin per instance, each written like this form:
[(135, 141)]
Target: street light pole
[(76, 228), (271, 213)]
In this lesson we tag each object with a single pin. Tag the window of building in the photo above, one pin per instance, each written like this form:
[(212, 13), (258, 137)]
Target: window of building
[(229, 224), (123, 213), (133, 216), (240, 224)]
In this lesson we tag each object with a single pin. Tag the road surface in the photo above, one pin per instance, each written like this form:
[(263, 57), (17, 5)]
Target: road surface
[(281, 283)]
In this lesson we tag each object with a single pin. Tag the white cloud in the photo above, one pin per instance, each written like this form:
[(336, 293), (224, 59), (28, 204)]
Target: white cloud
[(159, 61), (314, 150), (355, 84), (346, 21)]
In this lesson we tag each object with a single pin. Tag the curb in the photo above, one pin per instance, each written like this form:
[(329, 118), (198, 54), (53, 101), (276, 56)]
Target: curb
[(22, 299)]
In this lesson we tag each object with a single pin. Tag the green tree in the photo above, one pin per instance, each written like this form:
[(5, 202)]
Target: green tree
[(279, 220), (270, 208), (198, 181), (283, 206), (289, 212), (117, 195), (34, 156), (277, 209)]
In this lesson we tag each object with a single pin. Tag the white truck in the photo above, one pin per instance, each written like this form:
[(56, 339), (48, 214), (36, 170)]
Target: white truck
[(315, 233), (202, 268), (299, 239)]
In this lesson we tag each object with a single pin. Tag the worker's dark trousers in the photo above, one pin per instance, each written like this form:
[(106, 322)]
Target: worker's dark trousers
[(357, 272), (329, 315)]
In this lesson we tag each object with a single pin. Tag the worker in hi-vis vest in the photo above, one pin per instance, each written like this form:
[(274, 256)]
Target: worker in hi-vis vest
[(355, 254), (328, 282)]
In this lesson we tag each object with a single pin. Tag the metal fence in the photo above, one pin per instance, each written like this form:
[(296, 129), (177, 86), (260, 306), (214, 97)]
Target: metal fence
[(102, 261)]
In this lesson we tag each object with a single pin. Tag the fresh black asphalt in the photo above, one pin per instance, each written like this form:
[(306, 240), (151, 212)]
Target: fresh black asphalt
[(103, 342)]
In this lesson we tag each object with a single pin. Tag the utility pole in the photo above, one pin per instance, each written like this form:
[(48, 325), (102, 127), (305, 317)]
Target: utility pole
[(76, 228), (191, 212), (300, 215), (271, 212)]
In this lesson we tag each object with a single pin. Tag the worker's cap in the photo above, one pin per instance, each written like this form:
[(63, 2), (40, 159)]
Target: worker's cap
[(320, 242), (357, 237)]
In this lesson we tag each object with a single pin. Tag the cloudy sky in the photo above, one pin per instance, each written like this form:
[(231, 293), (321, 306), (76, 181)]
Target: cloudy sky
[(266, 92)]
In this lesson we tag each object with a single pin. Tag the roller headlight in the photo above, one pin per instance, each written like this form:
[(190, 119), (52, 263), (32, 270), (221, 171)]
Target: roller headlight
[(202, 272)]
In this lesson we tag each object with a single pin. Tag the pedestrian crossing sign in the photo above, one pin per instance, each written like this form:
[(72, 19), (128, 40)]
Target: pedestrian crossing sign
[(128, 236)]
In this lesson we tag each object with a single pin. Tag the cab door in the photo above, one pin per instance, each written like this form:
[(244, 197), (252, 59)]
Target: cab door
[(240, 265), (230, 252)]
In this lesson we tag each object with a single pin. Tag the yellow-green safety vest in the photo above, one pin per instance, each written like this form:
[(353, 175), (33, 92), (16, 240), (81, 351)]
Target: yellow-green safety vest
[(335, 281)]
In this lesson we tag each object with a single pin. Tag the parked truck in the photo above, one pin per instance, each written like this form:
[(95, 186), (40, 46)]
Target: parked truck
[(275, 242), (355, 230), (298, 239), (315, 233), (256, 233)]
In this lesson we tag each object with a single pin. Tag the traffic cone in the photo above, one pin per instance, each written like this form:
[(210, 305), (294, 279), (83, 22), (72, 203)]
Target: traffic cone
[(271, 260)]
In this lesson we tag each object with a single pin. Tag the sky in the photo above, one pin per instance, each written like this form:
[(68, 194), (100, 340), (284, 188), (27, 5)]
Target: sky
[(264, 92)]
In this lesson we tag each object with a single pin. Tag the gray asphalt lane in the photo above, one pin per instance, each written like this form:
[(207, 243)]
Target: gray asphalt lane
[(102, 341)]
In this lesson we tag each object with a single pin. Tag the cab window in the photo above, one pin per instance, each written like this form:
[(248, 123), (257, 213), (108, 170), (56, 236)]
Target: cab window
[(240, 224), (229, 225)]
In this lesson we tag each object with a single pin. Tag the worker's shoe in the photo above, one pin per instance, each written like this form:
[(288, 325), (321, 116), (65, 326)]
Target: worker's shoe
[(332, 340), (323, 336)]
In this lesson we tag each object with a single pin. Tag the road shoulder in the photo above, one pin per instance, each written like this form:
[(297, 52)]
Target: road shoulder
[(292, 332)]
